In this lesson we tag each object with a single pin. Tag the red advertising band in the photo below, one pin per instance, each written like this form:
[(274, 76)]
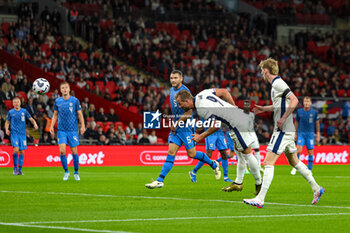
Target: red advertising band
[(48, 156)]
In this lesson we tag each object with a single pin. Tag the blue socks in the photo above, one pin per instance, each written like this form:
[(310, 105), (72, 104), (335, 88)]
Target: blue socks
[(219, 160), (64, 162), (224, 163), (198, 166), (15, 159), (76, 163), (167, 166), (205, 159), (310, 162), (20, 162)]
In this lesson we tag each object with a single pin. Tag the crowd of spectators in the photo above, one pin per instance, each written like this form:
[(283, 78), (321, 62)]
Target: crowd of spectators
[(211, 54)]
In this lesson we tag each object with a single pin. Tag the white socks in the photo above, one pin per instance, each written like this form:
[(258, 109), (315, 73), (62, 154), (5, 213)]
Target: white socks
[(306, 173), (253, 167), (257, 156), (267, 180), (241, 165)]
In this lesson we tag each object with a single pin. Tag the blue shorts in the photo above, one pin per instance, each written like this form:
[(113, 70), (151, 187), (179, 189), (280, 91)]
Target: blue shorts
[(230, 143), (217, 141), (19, 141), (182, 137), (306, 138), (71, 137)]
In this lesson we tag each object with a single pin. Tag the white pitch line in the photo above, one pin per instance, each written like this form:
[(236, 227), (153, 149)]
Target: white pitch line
[(188, 218), (173, 198), (60, 228)]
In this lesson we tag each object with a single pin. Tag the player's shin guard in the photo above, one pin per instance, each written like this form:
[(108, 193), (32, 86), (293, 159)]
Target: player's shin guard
[(267, 180), (310, 162), (15, 160), (306, 173), (241, 165), (76, 162), (205, 159), (20, 162), (198, 166), (254, 167), (167, 166), (64, 162), (225, 167)]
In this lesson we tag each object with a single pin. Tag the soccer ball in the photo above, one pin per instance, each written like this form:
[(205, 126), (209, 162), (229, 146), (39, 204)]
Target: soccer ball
[(41, 86)]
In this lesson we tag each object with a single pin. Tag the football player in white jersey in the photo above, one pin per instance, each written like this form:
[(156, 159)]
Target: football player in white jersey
[(255, 145), (282, 140), (209, 105)]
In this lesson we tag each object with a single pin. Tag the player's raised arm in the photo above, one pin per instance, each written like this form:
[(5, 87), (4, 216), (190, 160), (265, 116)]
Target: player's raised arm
[(34, 123), (260, 109), (82, 123), (199, 137), (223, 93), (293, 102), (53, 122)]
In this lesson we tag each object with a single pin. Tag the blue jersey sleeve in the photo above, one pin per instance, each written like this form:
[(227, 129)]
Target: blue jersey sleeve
[(77, 105), (28, 116), (8, 116), (55, 106)]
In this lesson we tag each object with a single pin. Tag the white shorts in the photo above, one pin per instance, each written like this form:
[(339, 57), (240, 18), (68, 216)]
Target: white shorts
[(242, 139), (282, 142), (255, 145)]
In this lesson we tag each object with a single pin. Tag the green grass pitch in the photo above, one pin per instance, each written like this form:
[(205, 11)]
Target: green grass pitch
[(114, 199)]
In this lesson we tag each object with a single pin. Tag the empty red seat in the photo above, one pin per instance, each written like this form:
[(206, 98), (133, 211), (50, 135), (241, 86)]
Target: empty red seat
[(133, 109), (8, 104)]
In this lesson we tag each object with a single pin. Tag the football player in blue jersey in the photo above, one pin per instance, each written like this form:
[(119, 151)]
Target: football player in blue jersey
[(17, 117), (216, 140), (67, 110), (180, 135), (306, 122)]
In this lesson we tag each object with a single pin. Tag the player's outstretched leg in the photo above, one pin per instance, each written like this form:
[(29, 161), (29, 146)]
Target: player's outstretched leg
[(213, 164), (15, 161), (20, 164), (167, 166), (65, 167), (306, 173), (76, 167), (258, 201)]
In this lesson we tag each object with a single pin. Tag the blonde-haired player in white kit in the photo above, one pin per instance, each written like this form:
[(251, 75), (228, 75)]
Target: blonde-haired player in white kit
[(282, 140), (209, 105)]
